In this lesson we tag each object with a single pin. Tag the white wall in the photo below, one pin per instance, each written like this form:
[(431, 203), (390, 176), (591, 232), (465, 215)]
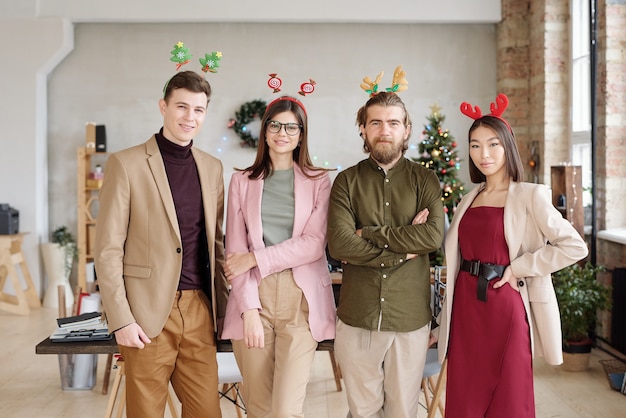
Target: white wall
[(39, 46), (390, 11), (115, 72)]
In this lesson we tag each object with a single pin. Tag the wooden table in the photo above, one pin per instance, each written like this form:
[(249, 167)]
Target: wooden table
[(79, 347), (110, 348), (100, 347)]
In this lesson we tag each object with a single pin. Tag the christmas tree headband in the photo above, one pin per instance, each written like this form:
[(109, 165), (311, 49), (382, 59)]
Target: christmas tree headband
[(398, 83), (497, 109), (275, 84), (181, 56)]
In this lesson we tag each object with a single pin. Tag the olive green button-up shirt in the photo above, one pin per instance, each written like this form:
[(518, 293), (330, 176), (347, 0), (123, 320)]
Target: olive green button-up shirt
[(380, 289)]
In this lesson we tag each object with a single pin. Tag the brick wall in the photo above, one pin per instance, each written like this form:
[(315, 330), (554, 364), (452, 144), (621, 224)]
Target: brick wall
[(533, 59), (611, 115), (513, 72)]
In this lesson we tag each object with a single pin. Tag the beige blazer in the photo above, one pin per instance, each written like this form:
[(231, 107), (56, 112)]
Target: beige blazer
[(138, 254), (540, 242)]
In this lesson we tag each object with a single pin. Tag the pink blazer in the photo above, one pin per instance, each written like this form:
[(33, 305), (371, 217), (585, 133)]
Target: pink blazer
[(304, 252), (540, 242)]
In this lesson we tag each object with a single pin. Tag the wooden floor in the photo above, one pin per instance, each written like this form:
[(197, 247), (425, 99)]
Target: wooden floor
[(30, 384)]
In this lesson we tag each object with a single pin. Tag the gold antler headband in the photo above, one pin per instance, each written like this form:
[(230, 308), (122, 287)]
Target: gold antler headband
[(398, 83)]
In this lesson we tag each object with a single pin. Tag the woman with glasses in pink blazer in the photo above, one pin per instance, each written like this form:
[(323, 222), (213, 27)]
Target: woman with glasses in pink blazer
[(281, 303)]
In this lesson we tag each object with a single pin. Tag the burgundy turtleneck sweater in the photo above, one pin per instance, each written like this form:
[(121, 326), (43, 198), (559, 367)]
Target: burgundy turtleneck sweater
[(182, 175)]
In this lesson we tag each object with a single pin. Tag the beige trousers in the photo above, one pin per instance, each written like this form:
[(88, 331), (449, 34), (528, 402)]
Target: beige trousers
[(275, 377), (382, 370), (185, 353)]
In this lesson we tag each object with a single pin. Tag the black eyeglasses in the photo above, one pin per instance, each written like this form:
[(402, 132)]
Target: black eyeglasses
[(291, 129)]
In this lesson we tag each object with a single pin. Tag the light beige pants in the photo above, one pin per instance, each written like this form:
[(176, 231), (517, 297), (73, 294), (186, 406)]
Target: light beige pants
[(275, 377), (185, 353), (382, 370)]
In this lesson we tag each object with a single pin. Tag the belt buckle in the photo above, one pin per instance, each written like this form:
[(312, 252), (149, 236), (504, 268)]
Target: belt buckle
[(474, 267)]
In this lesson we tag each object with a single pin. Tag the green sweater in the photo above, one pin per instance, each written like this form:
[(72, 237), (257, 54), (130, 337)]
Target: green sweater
[(380, 289)]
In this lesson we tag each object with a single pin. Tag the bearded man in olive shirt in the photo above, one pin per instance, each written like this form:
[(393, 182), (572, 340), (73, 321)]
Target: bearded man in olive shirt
[(385, 217)]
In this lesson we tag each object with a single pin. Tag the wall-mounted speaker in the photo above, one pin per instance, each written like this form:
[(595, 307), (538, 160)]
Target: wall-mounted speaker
[(101, 138)]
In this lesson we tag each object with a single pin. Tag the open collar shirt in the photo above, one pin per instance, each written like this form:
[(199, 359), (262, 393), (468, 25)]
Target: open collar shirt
[(380, 289)]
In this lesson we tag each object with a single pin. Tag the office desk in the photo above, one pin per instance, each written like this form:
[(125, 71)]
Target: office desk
[(97, 347), (110, 347), (81, 347)]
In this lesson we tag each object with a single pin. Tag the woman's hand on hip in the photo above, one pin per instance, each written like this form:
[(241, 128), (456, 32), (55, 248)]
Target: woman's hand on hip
[(507, 277)]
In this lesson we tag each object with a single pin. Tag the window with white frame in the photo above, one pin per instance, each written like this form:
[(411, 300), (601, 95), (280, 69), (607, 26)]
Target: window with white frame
[(581, 93)]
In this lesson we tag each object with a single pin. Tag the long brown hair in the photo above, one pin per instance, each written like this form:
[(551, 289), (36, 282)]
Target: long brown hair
[(262, 166), (514, 167)]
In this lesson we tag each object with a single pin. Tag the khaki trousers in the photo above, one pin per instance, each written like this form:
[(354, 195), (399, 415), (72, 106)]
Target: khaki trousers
[(275, 377), (382, 370), (183, 353)]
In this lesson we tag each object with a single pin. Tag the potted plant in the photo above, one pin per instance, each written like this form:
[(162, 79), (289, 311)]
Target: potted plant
[(579, 296), (58, 257)]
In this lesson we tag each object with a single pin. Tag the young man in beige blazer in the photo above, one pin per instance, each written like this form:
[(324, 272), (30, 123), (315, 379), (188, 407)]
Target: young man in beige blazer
[(159, 256)]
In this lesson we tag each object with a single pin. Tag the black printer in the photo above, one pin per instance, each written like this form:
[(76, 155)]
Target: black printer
[(9, 220)]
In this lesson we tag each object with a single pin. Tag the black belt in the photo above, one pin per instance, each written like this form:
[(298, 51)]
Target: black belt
[(485, 273)]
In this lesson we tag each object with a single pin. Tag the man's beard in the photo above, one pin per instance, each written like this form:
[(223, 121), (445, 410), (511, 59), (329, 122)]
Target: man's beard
[(384, 154)]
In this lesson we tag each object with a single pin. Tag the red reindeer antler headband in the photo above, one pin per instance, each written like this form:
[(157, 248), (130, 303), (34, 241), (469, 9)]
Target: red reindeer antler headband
[(497, 109)]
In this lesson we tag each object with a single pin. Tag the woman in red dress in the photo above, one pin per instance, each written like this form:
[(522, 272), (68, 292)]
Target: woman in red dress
[(505, 240)]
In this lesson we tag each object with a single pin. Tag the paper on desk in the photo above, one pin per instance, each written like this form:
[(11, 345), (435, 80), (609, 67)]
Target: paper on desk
[(92, 334)]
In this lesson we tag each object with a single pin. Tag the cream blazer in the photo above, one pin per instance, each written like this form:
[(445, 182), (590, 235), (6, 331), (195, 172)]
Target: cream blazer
[(540, 242), (138, 255), (304, 253)]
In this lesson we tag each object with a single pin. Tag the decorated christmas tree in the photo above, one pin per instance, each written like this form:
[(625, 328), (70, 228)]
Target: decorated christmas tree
[(438, 152)]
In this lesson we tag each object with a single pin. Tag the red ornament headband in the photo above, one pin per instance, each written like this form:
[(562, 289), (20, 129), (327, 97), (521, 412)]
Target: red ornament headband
[(497, 109), (291, 99), (275, 83)]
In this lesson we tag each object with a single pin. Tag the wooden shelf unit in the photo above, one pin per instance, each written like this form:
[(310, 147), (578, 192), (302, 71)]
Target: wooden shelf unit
[(567, 194), (87, 159)]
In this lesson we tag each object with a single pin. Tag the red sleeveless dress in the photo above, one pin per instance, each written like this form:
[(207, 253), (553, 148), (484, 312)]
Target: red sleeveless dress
[(489, 355)]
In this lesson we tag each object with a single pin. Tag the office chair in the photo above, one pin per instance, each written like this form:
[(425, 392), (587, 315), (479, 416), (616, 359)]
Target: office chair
[(229, 377), (434, 376)]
